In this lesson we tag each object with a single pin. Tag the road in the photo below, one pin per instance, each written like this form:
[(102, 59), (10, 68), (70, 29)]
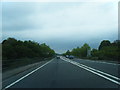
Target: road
[(65, 73)]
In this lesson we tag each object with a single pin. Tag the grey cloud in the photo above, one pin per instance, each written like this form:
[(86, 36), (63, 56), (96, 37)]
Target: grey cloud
[(63, 26)]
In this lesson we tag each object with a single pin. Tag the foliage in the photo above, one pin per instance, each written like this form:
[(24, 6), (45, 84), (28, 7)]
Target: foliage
[(68, 52), (15, 49), (104, 43), (107, 50), (79, 52)]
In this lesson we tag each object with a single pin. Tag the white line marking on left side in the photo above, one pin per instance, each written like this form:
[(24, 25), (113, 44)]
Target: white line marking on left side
[(27, 75)]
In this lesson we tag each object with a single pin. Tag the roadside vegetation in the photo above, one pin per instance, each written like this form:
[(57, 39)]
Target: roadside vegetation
[(17, 53), (105, 51)]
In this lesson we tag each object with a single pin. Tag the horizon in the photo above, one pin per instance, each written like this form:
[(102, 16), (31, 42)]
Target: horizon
[(53, 49), (62, 26)]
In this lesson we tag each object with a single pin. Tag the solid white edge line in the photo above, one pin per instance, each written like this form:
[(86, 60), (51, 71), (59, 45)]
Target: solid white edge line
[(98, 71), (101, 72), (102, 62), (28, 74), (100, 75), (94, 72)]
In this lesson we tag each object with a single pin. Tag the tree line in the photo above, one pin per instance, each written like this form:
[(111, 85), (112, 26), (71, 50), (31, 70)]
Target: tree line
[(13, 49), (105, 51), (79, 51)]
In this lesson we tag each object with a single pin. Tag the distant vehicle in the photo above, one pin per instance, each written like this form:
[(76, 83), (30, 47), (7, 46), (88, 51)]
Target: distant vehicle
[(58, 57), (71, 57), (67, 56)]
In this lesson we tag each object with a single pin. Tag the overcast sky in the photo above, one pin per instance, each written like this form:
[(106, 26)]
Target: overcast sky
[(62, 26)]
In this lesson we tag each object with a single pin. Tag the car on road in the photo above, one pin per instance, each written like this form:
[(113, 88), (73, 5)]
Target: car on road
[(58, 57), (71, 57)]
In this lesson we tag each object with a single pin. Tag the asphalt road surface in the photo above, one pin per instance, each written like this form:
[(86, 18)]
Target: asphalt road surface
[(66, 73)]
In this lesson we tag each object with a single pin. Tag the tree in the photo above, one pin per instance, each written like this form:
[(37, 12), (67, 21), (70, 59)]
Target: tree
[(104, 43), (68, 52), (108, 50), (13, 48), (76, 52), (95, 53), (84, 50), (80, 52)]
